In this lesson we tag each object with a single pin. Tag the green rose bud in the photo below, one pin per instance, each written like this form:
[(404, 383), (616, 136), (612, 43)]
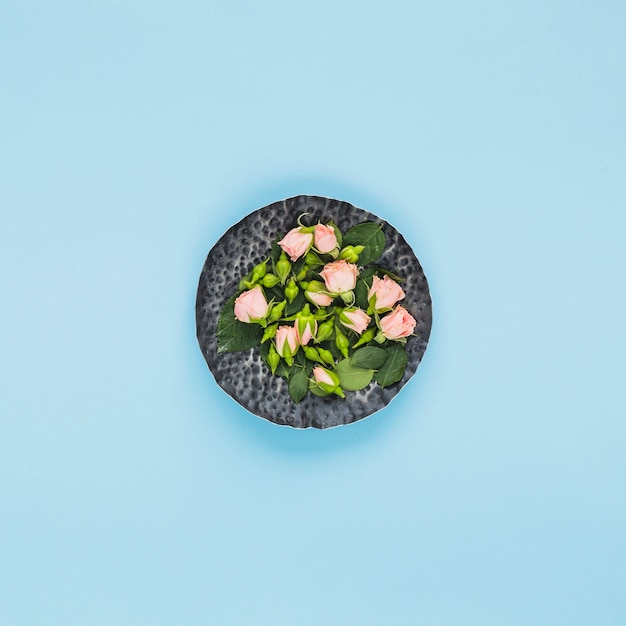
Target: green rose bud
[(312, 354), (326, 356), (351, 253), (258, 271), (276, 311), (342, 342), (291, 290), (347, 297), (325, 331), (366, 337), (270, 332), (311, 259), (283, 267), (270, 280), (273, 358)]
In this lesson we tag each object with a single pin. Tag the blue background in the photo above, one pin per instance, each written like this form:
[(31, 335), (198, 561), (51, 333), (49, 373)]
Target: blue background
[(134, 491)]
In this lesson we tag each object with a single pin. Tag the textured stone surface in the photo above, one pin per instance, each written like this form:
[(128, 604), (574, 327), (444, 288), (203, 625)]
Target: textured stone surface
[(243, 375)]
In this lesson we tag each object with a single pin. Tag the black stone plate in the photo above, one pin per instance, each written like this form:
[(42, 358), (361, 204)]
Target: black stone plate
[(243, 375)]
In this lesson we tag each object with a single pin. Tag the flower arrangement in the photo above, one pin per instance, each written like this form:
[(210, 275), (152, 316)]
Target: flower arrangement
[(322, 313)]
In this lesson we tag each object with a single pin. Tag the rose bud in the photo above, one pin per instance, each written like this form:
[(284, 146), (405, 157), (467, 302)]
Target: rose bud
[(339, 276), (316, 293), (325, 238), (355, 319), (287, 342), (312, 354), (291, 290), (251, 306), (270, 280), (326, 355), (273, 358), (311, 259), (306, 325), (397, 324), (276, 311), (366, 337), (296, 243), (383, 294), (270, 332), (258, 271), (351, 253), (342, 342), (327, 381), (283, 267), (325, 331)]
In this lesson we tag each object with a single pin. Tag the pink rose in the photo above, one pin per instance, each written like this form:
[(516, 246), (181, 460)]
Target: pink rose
[(251, 305), (286, 341), (386, 291), (322, 375), (339, 276), (315, 293), (355, 319), (397, 324), (325, 238), (306, 325), (305, 336), (327, 381), (318, 298), (296, 243)]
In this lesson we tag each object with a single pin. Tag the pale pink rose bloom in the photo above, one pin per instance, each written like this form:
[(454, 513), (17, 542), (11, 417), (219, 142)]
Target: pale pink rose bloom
[(309, 330), (296, 243), (325, 238), (251, 305), (387, 292), (322, 376), (397, 324), (318, 298), (286, 340), (357, 320), (340, 276)]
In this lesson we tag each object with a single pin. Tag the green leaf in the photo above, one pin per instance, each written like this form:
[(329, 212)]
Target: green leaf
[(362, 288), (300, 358), (353, 378), (391, 275), (274, 293), (361, 291), (298, 385), (370, 235), (227, 343), (264, 350), (315, 389), (369, 357), (283, 369), (393, 368), (297, 266)]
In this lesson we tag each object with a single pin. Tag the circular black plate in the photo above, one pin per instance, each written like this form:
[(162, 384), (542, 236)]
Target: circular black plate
[(243, 375)]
